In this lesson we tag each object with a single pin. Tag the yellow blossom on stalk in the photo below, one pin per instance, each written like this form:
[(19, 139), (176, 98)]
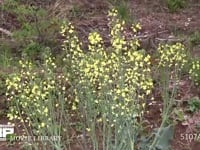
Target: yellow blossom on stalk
[(113, 13), (31, 92), (94, 38), (116, 78), (34, 89), (172, 55), (46, 110), (136, 27), (194, 71), (88, 129), (42, 124)]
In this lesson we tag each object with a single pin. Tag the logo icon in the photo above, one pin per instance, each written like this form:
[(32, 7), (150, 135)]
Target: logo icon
[(5, 131)]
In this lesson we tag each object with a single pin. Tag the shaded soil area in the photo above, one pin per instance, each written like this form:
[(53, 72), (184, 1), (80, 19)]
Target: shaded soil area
[(158, 25)]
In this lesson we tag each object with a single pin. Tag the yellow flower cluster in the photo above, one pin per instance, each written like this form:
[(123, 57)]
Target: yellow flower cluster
[(71, 45), (115, 79), (117, 26), (194, 71), (172, 55), (95, 42), (49, 63), (136, 27), (32, 93), (94, 38)]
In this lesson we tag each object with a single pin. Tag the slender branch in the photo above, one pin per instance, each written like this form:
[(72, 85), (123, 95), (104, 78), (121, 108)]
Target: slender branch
[(6, 32)]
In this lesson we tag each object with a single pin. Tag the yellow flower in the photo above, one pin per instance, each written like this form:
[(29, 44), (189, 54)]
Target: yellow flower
[(42, 124), (74, 107), (34, 89), (138, 26), (46, 110), (88, 129)]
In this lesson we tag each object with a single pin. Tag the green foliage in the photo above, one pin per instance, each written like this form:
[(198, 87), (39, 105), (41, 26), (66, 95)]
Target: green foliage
[(123, 10), (5, 57), (195, 38), (3, 104), (33, 50), (2, 84), (36, 27), (179, 114), (24, 13), (194, 104), (175, 5), (163, 139)]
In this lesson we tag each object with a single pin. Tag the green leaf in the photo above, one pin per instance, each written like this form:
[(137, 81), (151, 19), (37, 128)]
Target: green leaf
[(165, 137)]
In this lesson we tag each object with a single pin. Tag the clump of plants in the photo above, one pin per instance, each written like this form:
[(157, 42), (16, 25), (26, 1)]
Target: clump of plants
[(194, 104), (172, 56), (171, 60), (175, 5), (37, 98), (34, 28), (123, 10), (110, 83), (195, 38)]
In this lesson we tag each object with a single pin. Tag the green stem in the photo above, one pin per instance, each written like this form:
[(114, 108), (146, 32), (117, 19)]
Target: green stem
[(167, 106)]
